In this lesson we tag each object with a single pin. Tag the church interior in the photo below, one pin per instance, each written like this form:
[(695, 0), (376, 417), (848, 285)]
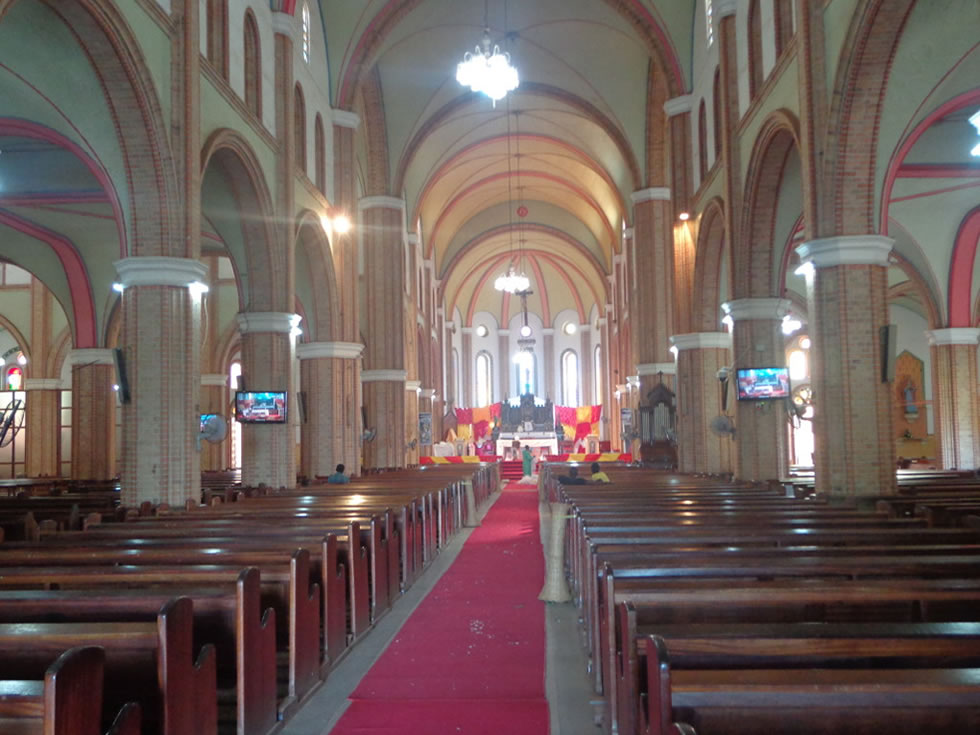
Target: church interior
[(446, 252)]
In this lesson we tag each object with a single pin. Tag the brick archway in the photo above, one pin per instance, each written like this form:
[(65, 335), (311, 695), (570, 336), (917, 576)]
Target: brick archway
[(311, 240), (712, 248), (264, 287), (756, 265)]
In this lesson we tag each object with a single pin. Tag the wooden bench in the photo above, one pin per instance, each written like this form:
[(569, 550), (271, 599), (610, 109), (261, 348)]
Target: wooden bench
[(152, 662), (67, 701), (808, 701)]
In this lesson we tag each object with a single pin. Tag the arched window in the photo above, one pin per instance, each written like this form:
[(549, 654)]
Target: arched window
[(755, 49), (716, 111), (455, 377), (253, 66), (569, 378), (320, 155), (216, 50), (236, 428), (306, 32), (299, 127), (484, 379), (526, 371), (709, 27), (783, 19), (702, 141), (597, 373)]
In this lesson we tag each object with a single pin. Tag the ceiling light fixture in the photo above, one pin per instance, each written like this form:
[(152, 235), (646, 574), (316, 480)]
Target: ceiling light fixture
[(487, 69), (512, 282), (975, 122)]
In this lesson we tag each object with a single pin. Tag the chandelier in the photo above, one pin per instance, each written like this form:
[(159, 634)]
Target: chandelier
[(512, 282), (487, 69)]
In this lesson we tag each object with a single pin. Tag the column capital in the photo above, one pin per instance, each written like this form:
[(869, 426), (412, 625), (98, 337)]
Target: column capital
[(284, 24), (214, 380), (42, 384), (653, 194), (381, 376), (91, 356), (702, 340), (380, 202), (429, 393), (341, 350), (953, 336), (415, 385), (774, 309), (345, 119), (267, 321), (160, 271), (828, 252), (723, 8), (679, 105), (628, 233), (655, 368)]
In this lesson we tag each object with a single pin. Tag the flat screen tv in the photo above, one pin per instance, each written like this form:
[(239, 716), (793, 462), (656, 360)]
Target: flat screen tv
[(762, 384), (268, 407)]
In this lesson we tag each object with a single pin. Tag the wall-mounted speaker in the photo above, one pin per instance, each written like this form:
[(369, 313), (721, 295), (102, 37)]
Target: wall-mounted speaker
[(888, 336), (122, 380)]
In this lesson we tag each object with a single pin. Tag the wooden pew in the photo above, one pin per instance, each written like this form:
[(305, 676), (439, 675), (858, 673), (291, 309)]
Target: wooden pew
[(809, 701), (228, 616), (68, 701), (153, 661)]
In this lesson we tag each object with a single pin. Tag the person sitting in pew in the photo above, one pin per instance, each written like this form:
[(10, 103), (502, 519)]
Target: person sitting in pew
[(338, 477), (598, 476), (572, 477)]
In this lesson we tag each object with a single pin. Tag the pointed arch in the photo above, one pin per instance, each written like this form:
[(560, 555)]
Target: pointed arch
[(253, 65), (708, 267)]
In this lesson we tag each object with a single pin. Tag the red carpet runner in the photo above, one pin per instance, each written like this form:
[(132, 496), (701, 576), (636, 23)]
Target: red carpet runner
[(471, 658)]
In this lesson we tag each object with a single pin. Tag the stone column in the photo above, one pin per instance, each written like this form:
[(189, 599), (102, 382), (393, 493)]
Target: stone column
[(467, 396), (957, 395), (217, 398), (382, 233), (413, 389), (42, 427), (328, 436), (847, 293), (268, 344), (762, 437), (384, 397), (700, 356), (161, 342), (93, 418), (652, 310)]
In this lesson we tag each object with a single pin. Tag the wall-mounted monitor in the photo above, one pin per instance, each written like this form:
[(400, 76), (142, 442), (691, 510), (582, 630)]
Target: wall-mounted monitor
[(268, 407), (762, 384)]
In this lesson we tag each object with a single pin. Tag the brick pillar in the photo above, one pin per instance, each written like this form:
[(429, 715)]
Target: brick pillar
[(699, 400), (957, 395), (93, 417), (413, 390), (268, 450), (217, 398), (384, 398), (331, 433), (382, 233), (43, 405), (762, 438), (506, 367), (847, 293), (161, 307)]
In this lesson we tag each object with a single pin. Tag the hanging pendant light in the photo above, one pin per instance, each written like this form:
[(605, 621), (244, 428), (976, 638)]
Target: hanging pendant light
[(487, 69)]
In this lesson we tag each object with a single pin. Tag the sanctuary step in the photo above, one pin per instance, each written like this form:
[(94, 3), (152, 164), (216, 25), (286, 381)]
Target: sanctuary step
[(511, 470)]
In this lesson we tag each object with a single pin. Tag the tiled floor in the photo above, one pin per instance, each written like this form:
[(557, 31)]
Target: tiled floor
[(568, 688)]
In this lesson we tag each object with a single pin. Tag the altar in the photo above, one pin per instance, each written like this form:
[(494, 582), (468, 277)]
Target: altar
[(540, 443)]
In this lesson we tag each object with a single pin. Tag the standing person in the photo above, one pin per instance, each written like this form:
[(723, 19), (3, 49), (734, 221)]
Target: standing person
[(528, 460), (338, 477)]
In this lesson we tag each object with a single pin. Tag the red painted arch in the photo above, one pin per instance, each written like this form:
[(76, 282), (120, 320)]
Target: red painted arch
[(79, 288), (961, 271)]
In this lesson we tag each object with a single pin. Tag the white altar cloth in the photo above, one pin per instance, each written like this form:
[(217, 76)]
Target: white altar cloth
[(540, 441)]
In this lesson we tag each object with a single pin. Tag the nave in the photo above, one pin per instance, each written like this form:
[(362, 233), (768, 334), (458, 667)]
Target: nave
[(697, 604)]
